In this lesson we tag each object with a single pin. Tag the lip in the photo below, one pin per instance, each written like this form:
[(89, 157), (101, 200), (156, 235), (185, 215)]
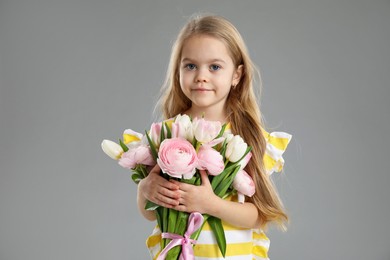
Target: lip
[(201, 89)]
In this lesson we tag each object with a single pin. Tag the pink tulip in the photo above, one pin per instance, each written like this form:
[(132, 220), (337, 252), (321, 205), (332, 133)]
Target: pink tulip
[(155, 131), (177, 158), (244, 162), (138, 155), (244, 184), (205, 131), (210, 160), (176, 131)]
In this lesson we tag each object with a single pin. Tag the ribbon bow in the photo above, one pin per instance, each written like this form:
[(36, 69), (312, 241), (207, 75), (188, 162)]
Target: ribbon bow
[(195, 221)]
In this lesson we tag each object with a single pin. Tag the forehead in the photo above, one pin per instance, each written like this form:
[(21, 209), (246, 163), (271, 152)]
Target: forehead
[(203, 48)]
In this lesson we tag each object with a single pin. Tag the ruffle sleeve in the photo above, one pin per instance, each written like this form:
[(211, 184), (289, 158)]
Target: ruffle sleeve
[(277, 143)]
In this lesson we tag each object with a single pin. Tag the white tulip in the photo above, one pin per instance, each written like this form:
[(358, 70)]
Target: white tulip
[(112, 149), (228, 136), (183, 126), (235, 149)]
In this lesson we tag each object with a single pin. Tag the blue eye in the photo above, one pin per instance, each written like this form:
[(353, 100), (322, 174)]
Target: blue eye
[(190, 66), (215, 67)]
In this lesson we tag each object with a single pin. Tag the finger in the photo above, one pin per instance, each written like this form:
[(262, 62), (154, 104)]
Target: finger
[(205, 178), (182, 201), (155, 169), (175, 181), (175, 185), (168, 184), (169, 193), (166, 201), (165, 205), (180, 208), (185, 186)]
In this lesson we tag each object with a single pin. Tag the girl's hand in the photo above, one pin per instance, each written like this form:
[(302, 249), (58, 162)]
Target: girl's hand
[(196, 198), (158, 190)]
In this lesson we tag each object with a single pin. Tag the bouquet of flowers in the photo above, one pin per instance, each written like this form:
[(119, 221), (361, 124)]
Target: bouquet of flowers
[(181, 147)]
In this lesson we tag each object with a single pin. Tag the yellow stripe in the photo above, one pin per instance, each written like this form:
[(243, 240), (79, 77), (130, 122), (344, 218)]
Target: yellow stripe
[(260, 251), (260, 236), (225, 225), (153, 240), (127, 138), (269, 162), (231, 250), (278, 142)]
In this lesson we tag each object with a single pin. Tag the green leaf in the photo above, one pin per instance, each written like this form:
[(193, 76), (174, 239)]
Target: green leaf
[(124, 147), (222, 130), (172, 226), (152, 146), (224, 185), (169, 133), (194, 142), (223, 149), (158, 217), (219, 233), (217, 179), (164, 223), (151, 205), (162, 133), (136, 178), (182, 220), (143, 171), (172, 218)]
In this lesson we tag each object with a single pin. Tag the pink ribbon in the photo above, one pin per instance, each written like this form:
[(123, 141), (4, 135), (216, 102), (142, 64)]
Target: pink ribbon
[(195, 221)]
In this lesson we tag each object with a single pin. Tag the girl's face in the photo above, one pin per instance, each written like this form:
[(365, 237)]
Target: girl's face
[(207, 73)]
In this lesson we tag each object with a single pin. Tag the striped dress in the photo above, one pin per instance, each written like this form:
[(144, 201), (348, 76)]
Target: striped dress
[(241, 243)]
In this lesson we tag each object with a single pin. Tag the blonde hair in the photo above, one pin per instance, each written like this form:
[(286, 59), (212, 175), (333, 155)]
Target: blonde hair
[(241, 105)]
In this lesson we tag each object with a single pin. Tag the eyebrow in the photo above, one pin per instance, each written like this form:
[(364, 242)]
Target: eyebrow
[(210, 61)]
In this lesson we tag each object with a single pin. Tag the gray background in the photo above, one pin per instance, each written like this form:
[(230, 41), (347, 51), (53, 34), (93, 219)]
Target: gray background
[(76, 72)]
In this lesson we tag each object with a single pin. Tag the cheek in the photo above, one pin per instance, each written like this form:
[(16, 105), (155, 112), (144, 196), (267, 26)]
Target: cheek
[(224, 80), (182, 83), (184, 79), (181, 78)]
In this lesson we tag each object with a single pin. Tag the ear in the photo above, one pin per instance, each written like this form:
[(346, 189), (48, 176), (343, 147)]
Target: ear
[(237, 75)]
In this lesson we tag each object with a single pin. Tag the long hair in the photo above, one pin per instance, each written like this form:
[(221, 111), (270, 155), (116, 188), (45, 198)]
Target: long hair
[(242, 107)]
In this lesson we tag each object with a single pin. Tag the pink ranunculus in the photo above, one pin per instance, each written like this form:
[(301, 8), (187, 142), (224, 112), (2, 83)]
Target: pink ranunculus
[(155, 131), (244, 184), (177, 158), (210, 160), (205, 131), (138, 155)]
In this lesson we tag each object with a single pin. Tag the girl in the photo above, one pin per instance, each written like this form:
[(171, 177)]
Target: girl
[(210, 74)]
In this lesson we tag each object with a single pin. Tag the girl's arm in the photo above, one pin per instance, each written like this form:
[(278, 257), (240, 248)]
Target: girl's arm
[(158, 190), (202, 199)]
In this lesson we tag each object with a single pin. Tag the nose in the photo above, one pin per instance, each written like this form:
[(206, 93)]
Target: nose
[(202, 75)]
